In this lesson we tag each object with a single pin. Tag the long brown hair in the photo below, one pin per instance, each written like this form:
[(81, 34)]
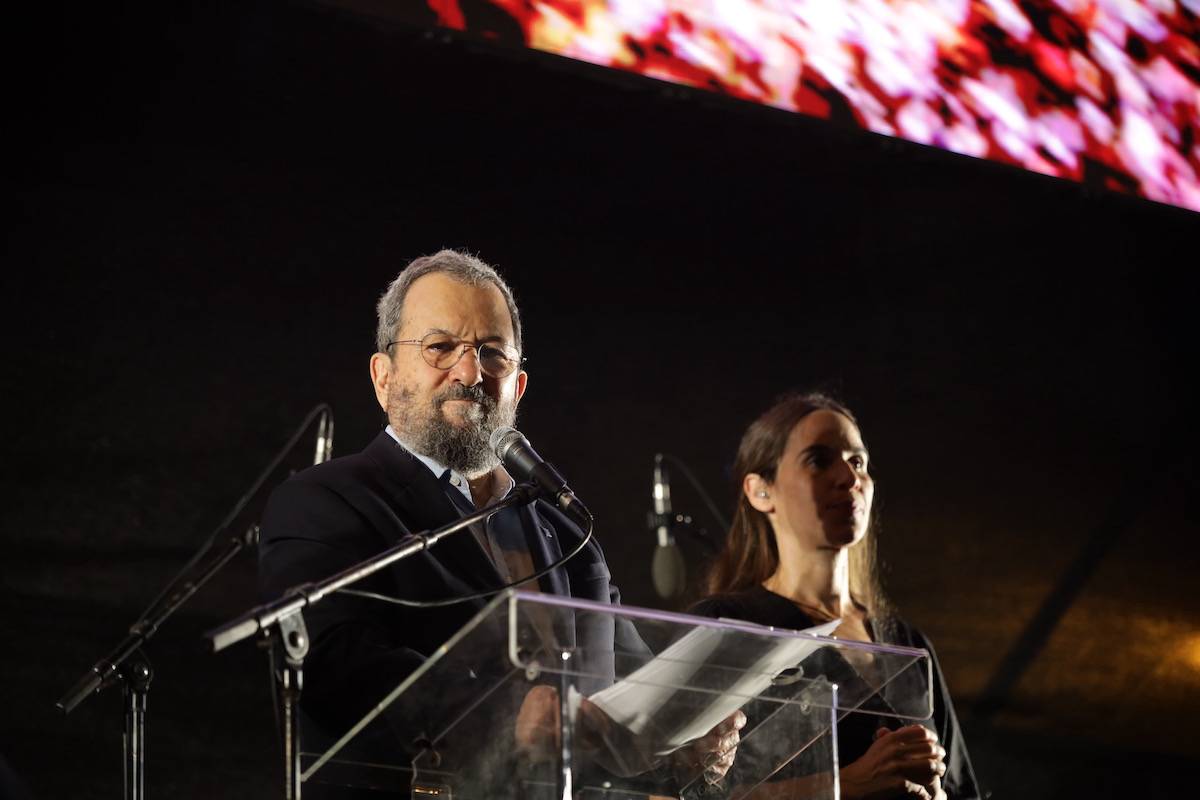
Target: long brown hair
[(750, 554)]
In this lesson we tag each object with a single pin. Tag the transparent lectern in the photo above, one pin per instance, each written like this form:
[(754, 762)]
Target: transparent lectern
[(543, 697)]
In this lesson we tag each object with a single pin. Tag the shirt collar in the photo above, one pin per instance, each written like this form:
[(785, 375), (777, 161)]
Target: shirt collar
[(503, 483)]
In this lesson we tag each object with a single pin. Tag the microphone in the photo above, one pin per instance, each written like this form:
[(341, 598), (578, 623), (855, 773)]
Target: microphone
[(526, 466), (324, 437), (668, 569)]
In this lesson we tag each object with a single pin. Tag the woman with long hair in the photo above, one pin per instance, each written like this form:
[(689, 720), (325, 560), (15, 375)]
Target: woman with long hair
[(800, 552)]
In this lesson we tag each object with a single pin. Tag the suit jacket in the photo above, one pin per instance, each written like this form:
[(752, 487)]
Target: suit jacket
[(337, 514)]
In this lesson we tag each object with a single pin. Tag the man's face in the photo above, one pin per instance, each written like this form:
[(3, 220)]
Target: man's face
[(449, 414)]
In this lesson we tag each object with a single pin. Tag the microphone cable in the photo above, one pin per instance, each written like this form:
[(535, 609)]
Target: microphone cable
[(450, 601)]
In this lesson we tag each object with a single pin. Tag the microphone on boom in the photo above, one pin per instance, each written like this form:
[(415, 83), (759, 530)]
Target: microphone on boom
[(526, 466)]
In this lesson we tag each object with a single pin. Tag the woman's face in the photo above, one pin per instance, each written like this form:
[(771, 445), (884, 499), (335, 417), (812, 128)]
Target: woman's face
[(822, 492)]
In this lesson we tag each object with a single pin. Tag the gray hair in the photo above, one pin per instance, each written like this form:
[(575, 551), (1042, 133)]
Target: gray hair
[(462, 267)]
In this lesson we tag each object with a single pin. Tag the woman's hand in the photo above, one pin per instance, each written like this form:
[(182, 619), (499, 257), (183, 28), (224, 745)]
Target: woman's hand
[(901, 763)]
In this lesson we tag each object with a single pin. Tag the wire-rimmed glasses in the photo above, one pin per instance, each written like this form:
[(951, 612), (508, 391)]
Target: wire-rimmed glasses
[(443, 351)]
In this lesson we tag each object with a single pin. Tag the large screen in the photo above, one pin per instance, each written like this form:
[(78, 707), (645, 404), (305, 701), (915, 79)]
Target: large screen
[(1106, 92)]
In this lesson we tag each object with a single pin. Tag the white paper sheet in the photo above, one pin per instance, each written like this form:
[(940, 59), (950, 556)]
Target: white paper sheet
[(649, 702)]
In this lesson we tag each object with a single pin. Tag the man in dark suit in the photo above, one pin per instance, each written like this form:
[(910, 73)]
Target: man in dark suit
[(447, 372)]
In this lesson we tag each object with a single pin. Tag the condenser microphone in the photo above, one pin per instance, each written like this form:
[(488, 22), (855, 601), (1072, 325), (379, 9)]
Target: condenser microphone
[(668, 569), (526, 466)]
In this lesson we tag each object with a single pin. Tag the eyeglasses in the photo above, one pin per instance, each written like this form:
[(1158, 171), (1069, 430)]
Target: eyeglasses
[(442, 351)]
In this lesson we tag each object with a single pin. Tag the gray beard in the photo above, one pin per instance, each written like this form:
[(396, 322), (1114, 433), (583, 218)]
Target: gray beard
[(462, 447)]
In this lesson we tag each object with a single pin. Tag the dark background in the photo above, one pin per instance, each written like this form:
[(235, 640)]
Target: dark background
[(209, 198)]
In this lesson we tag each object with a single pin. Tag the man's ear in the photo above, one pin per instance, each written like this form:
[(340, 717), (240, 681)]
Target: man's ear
[(522, 380), (758, 492), (381, 377)]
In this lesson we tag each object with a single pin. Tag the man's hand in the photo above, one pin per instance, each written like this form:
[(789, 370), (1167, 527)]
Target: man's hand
[(597, 737), (537, 724), (713, 753), (903, 763), (613, 747)]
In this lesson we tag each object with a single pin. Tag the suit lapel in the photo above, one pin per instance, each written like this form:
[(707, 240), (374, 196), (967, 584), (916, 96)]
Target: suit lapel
[(545, 549), (419, 498)]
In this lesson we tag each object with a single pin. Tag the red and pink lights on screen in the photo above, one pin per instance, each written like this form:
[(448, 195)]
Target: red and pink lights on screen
[(1106, 91)]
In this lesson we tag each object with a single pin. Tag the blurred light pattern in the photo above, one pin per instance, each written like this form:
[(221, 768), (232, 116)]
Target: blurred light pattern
[(1101, 91), (1189, 653)]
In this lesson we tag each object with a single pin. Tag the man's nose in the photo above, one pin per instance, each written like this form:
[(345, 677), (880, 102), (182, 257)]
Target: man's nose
[(468, 371)]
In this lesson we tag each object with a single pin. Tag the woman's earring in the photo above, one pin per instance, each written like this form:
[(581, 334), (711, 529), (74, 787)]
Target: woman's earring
[(762, 494)]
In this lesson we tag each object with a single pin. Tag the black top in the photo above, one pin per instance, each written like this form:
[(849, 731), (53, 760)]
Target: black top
[(856, 731)]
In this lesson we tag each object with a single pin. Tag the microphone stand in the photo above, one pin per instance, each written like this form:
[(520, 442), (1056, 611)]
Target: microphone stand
[(683, 522), (672, 523), (128, 664), (285, 615)]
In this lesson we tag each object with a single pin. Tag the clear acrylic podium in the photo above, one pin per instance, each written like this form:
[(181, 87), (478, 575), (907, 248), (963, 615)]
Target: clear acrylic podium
[(541, 697)]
